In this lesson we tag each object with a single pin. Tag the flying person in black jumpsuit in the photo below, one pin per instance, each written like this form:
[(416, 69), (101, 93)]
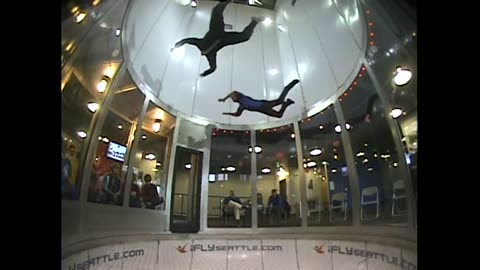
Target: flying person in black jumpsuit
[(216, 38)]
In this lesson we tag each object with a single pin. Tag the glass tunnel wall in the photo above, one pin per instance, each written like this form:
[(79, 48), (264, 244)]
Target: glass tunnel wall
[(118, 144)]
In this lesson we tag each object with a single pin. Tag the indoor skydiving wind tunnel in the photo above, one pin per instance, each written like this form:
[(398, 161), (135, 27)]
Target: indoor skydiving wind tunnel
[(321, 135)]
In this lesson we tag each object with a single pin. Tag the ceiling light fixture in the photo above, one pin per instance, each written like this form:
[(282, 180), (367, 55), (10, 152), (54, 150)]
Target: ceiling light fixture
[(102, 85), (311, 164), (93, 106), (150, 156), (109, 72), (338, 128), (266, 170), (315, 152), (396, 113), (402, 76), (82, 134), (157, 126), (80, 17)]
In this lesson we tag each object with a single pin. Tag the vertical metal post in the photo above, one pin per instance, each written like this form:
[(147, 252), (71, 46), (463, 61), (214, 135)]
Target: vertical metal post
[(301, 174), (352, 170), (131, 160), (253, 179)]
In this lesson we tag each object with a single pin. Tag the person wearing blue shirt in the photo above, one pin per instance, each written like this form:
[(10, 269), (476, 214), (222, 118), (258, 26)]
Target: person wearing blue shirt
[(262, 106), (278, 206)]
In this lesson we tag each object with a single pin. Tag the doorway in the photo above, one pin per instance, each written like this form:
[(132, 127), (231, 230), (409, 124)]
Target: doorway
[(186, 185), (283, 189)]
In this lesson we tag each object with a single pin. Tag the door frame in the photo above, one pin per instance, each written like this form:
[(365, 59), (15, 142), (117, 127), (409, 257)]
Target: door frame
[(197, 189)]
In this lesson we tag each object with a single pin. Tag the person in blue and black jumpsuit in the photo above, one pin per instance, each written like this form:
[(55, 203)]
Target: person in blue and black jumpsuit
[(262, 106)]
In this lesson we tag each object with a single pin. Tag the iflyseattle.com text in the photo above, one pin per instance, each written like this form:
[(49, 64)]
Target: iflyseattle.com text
[(106, 258)]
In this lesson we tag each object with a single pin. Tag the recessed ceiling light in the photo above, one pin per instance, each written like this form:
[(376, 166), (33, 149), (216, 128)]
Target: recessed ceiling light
[(80, 17), (385, 156), (70, 46), (321, 127), (402, 76), (338, 128), (117, 32), (188, 166), (105, 140), (150, 156), (334, 170), (396, 112), (315, 152), (157, 125), (370, 169), (258, 149), (120, 126), (360, 154), (102, 85), (348, 126), (230, 168), (109, 72), (82, 134), (266, 170), (144, 137), (292, 135), (93, 106), (311, 164), (193, 3)]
